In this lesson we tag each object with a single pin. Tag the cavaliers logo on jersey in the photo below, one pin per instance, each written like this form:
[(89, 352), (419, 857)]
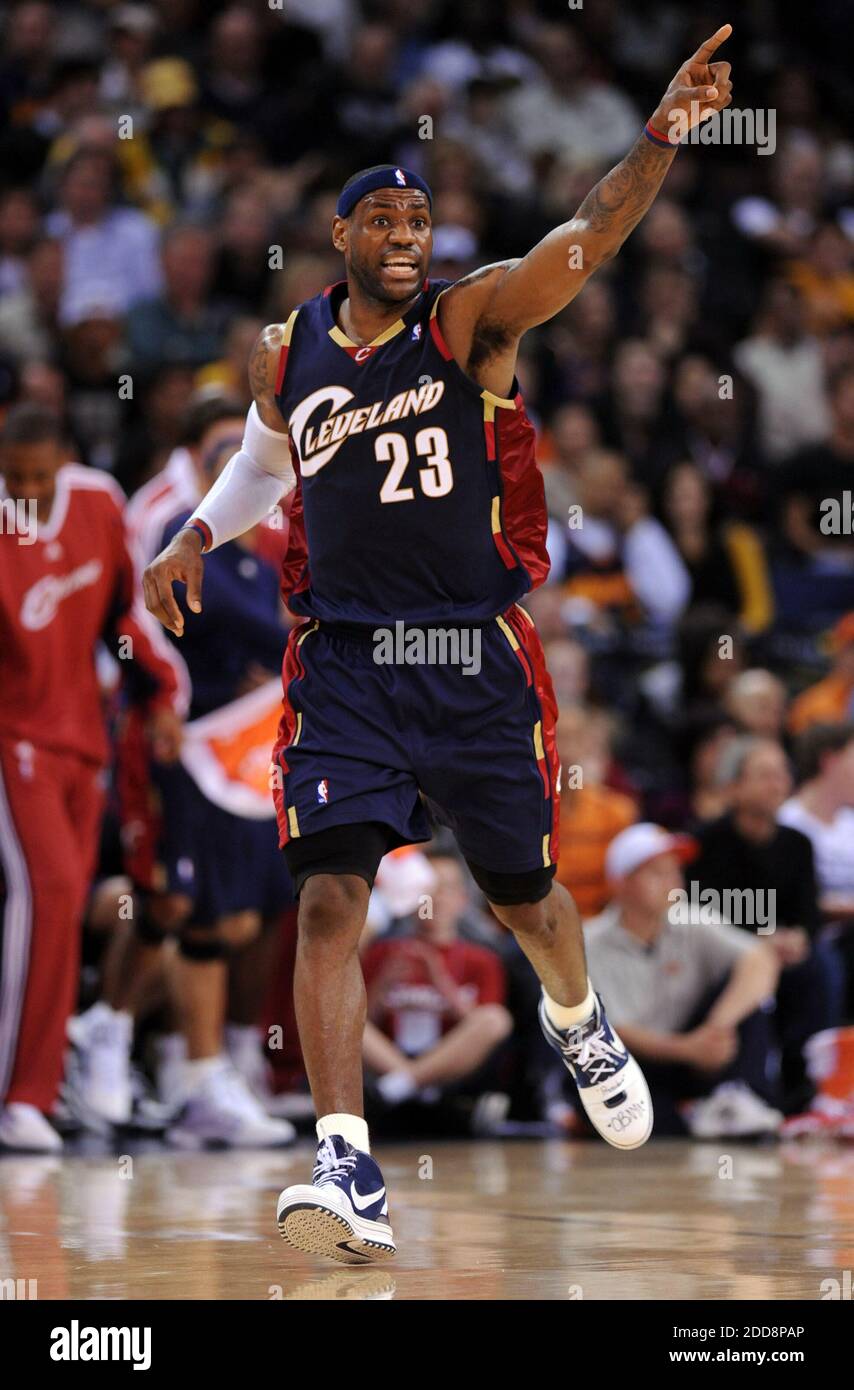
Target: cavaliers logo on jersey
[(319, 442)]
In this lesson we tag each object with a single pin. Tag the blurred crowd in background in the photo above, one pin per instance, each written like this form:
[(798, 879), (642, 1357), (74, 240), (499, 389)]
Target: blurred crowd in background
[(169, 176)]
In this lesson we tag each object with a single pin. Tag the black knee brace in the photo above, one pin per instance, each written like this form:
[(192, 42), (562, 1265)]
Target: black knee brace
[(509, 890), (204, 946)]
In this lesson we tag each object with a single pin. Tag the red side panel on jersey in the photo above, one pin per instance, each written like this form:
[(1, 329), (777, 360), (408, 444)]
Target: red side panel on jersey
[(533, 659), (295, 575), (523, 508), (289, 731)]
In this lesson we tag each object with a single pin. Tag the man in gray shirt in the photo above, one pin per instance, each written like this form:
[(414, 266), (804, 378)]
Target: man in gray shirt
[(685, 990)]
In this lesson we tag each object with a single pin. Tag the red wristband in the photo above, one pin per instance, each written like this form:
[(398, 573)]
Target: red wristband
[(656, 137), (202, 529)]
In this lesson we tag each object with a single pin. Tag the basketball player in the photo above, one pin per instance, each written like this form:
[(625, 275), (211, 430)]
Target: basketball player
[(419, 503)]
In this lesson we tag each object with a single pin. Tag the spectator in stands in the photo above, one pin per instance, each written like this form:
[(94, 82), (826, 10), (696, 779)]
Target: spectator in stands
[(591, 813), (569, 667), (748, 851), (823, 810), (756, 703), (573, 435), (19, 222), (569, 111), (832, 698), (783, 361), (823, 475), (29, 323), (436, 1008), (105, 245), (686, 992), (181, 325), (617, 561), (726, 562)]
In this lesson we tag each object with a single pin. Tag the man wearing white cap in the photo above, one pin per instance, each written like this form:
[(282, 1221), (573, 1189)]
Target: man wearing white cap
[(685, 990)]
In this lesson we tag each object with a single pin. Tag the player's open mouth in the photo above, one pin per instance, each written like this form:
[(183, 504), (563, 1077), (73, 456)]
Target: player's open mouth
[(399, 269)]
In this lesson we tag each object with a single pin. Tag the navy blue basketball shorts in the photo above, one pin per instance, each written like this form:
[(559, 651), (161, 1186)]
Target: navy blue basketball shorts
[(225, 863), (379, 724)]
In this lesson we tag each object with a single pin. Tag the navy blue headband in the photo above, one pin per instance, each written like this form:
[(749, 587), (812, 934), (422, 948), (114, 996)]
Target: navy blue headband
[(386, 177)]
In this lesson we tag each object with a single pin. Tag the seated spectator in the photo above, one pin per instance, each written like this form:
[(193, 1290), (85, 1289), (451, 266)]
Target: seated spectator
[(29, 315), (825, 277), (92, 357), (228, 375), (685, 993), (785, 365), (820, 475), (570, 111), (701, 744), (756, 703), (632, 416), (619, 563), (726, 562), (436, 1008), (104, 244), (572, 435), (19, 222), (708, 663), (182, 325), (568, 665), (772, 867), (823, 810), (783, 222), (591, 813), (832, 698)]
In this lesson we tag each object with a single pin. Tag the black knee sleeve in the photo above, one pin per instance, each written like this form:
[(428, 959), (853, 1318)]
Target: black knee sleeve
[(145, 928), (508, 890), (342, 849), (203, 947)]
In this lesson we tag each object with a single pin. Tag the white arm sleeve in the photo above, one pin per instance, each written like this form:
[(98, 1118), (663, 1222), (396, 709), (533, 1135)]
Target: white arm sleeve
[(251, 484)]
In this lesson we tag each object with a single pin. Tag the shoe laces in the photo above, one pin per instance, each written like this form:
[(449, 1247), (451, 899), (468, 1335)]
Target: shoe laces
[(596, 1052), (331, 1167)]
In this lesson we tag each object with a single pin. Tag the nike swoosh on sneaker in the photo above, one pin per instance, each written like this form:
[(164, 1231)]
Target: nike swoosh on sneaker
[(361, 1203)]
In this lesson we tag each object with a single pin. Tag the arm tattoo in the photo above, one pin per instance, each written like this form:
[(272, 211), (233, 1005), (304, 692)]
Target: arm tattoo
[(618, 202), (263, 367)]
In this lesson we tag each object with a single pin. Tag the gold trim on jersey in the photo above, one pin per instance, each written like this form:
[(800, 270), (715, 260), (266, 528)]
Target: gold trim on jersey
[(340, 337)]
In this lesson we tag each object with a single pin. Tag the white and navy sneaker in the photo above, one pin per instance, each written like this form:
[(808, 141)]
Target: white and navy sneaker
[(344, 1213), (610, 1083)]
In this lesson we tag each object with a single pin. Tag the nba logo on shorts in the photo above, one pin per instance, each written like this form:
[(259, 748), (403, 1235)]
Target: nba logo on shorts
[(323, 792), (401, 177)]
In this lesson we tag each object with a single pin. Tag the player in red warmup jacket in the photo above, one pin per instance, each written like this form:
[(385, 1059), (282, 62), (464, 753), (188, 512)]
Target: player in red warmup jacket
[(66, 581)]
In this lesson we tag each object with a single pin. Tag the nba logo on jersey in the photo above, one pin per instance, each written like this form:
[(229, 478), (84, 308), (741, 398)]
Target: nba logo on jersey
[(323, 792), (401, 177), (416, 333)]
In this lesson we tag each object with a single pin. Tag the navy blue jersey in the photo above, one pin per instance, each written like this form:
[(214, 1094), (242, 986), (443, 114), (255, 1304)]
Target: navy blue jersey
[(418, 493)]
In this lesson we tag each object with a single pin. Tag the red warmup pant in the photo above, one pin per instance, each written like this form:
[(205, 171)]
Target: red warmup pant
[(50, 816)]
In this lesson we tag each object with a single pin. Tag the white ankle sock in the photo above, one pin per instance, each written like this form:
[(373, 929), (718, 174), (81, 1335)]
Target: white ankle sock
[(197, 1071), (568, 1015), (351, 1127)]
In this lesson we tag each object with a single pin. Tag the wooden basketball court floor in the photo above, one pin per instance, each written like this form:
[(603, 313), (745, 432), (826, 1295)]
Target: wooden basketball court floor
[(488, 1220)]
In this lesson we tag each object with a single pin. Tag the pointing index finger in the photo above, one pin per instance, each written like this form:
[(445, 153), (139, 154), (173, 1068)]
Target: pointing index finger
[(705, 51)]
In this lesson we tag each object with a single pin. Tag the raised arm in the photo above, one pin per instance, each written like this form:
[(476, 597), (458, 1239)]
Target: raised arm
[(487, 314), (253, 481)]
